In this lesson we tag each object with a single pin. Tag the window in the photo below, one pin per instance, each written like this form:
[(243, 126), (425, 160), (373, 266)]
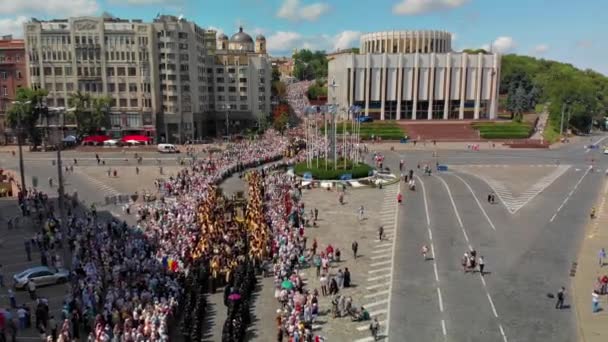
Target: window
[(3, 74), (261, 89), (132, 72), (133, 87), (232, 89), (231, 70), (48, 86), (123, 103), (182, 35), (121, 71), (47, 71), (109, 71), (4, 91), (122, 87), (133, 102), (68, 71), (243, 98), (219, 80), (243, 80), (219, 70), (69, 86), (183, 57), (113, 102), (184, 67), (59, 86), (243, 89), (220, 89), (186, 88), (61, 102), (243, 107), (58, 71), (111, 87)]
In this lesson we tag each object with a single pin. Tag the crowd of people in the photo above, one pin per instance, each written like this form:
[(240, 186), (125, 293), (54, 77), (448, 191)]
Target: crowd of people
[(127, 282), (296, 97)]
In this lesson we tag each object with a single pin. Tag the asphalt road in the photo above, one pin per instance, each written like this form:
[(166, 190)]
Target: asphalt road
[(528, 254)]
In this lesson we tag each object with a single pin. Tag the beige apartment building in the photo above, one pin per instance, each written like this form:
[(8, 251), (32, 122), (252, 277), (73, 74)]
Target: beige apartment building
[(101, 56), (169, 79)]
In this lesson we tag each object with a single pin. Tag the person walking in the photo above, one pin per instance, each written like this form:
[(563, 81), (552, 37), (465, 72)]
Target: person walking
[(355, 248), (424, 250), (1, 277), (380, 232), (12, 299), (361, 213), (602, 256), (595, 302), (482, 264), (399, 198), (323, 282), (137, 170), (316, 214), (31, 287), (340, 278), (28, 249), (346, 282), (560, 298), (374, 326)]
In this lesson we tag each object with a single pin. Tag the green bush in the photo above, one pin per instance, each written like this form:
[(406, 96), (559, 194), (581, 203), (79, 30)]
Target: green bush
[(509, 130), (504, 135), (358, 171)]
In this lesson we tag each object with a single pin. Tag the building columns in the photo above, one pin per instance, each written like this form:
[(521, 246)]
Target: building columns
[(479, 75), (447, 86), (463, 85), (399, 85), (415, 85), (382, 87), (431, 87)]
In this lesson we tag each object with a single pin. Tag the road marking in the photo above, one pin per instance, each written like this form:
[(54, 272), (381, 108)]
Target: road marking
[(492, 305), (375, 264), (443, 329), (445, 184), (600, 140), (366, 327), (430, 234), (384, 269), (379, 251), (502, 332), (381, 256), (432, 251), (436, 273), (384, 245), (476, 200), (379, 293), (380, 302), (570, 194), (379, 277), (376, 286), (440, 299), (378, 312), (483, 281), (390, 286)]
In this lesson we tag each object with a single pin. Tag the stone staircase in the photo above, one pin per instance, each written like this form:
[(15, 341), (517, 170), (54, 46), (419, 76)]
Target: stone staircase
[(441, 131)]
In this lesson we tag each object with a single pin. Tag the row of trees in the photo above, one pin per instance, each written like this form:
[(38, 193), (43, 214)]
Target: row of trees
[(90, 113), (526, 81), (316, 90), (309, 65)]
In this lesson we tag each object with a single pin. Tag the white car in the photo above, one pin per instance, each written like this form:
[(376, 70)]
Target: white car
[(41, 275), (606, 151)]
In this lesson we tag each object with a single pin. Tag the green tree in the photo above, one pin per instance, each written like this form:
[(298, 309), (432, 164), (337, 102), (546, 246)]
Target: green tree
[(310, 65), (26, 112), (91, 112), (276, 74), (280, 123), (279, 89)]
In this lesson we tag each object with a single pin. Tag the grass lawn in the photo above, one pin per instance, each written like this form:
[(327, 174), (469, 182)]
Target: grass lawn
[(387, 130), (507, 130), (550, 134)]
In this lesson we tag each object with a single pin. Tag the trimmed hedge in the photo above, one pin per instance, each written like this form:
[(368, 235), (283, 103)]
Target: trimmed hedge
[(510, 130), (358, 171), (380, 129)]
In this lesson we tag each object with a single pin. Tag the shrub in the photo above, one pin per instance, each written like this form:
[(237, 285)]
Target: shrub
[(358, 171)]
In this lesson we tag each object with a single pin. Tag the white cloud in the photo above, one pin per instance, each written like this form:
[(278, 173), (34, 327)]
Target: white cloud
[(454, 37), (12, 26), (63, 8), (413, 7), (501, 45), (540, 49), (284, 42), (294, 11), (346, 39)]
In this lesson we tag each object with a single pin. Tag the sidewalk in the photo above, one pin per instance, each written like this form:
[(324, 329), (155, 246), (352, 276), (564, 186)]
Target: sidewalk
[(592, 326)]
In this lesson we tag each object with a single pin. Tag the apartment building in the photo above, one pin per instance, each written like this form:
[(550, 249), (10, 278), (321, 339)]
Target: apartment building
[(102, 56), (12, 77), (242, 75)]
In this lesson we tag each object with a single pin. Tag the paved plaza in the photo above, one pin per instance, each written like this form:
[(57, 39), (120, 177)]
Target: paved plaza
[(529, 239)]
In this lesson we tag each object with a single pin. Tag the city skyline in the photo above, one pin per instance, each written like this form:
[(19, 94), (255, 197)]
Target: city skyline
[(531, 28)]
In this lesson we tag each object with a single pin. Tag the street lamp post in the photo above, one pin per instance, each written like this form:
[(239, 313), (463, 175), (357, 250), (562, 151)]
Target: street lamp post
[(20, 143)]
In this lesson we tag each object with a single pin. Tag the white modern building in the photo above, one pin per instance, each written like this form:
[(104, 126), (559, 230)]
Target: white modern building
[(414, 75)]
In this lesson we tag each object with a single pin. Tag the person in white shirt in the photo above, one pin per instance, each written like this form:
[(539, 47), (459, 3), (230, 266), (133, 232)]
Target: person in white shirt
[(31, 287)]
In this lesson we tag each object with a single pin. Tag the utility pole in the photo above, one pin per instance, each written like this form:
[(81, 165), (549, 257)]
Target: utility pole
[(61, 192)]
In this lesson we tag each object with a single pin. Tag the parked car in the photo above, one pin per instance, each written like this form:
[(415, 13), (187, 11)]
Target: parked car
[(41, 275)]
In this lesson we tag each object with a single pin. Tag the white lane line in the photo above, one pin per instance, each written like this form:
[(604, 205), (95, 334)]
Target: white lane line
[(440, 299), (570, 194), (433, 251), (443, 329), (381, 256), (379, 277), (502, 332), (385, 245), (492, 305), (483, 281), (476, 200), (376, 286), (376, 264), (380, 270), (600, 140), (453, 204), (380, 302), (379, 293), (436, 273), (430, 235)]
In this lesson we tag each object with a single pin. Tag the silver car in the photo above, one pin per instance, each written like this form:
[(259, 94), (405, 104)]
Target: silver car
[(41, 276)]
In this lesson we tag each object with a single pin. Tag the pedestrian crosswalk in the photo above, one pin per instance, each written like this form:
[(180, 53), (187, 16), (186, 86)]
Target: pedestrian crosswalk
[(380, 276), (513, 202), (105, 189)]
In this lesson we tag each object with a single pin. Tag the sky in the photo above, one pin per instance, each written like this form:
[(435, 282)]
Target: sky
[(564, 30)]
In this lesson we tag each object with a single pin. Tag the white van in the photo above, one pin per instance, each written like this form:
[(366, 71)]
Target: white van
[(167, 148)]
